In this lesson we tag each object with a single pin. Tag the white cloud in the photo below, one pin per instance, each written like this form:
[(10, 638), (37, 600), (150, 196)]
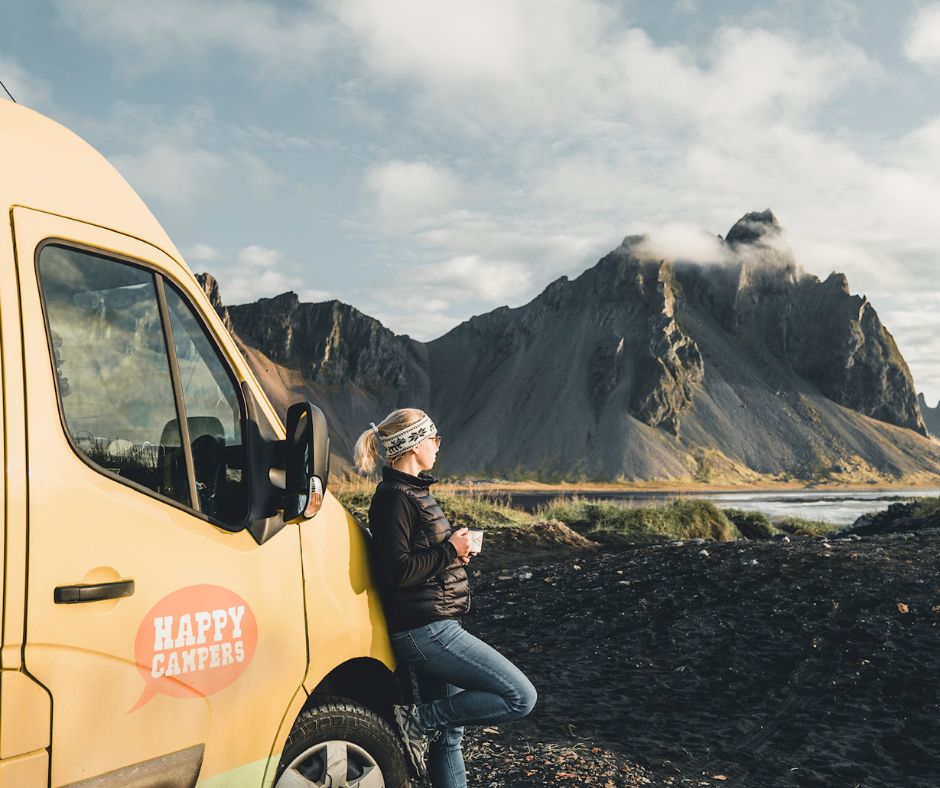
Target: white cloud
[(202, 253), (180, 158), (914, 320), (243, 285), (259, 272), (547, 244), (489, 60), (530, 63), (426, 299), (682, 242), (922, 45), (309, 296), (265, 35), (356, 108), (762, 74), (423, 326), (918, 151), (470, 275), (591, 131), (259, 256), (159, 152), (172, 173), (453, 44), (409, 191), (587, 178)]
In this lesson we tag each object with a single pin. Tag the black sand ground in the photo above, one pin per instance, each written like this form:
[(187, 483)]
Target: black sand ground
[(767, 663)]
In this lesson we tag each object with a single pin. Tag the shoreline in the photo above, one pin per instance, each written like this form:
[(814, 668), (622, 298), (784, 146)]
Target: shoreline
[(687, 488)]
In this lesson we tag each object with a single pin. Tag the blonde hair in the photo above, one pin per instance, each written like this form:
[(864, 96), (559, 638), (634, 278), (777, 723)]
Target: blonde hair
[(368, 449)]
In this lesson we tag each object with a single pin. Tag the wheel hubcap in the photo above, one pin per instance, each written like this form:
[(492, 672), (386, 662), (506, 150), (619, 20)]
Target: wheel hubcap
[(333, 764)]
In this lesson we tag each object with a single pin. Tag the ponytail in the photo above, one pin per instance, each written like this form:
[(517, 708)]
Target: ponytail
[(367, 451)]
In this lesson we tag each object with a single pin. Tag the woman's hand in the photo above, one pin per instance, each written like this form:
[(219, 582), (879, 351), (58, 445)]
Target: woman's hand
[(460, 539)]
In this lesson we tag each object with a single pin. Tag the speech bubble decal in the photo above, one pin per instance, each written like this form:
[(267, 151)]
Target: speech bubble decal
[(194, 642)]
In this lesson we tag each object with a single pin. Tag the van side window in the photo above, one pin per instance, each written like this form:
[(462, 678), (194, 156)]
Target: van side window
[(112, 367), (213, 415)]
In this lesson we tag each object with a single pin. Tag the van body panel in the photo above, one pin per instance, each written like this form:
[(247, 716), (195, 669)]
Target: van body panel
[(25, 714), (250, 775), (14, 455), (269, 766), (173, 770), (6, 264), (25, 771), (87, 527), (346, 617)]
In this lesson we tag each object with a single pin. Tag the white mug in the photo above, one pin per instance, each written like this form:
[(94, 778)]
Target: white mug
[(476, 541)]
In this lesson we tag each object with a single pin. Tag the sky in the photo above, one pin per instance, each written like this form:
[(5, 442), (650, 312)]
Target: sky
[(428, 160)]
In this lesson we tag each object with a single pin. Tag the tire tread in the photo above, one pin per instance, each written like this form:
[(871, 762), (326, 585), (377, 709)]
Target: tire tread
[(337, 714)]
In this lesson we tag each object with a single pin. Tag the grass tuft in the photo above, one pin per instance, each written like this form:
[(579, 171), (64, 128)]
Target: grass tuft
[(925, 507), (799, 526), (679, 519), (752, 525)]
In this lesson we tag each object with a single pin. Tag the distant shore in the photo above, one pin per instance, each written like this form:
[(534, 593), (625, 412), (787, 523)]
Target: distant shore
[(837, 505), (693, 488), (667, 510)]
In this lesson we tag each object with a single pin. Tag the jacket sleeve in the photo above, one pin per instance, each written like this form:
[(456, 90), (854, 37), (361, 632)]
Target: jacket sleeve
[(392, 520)]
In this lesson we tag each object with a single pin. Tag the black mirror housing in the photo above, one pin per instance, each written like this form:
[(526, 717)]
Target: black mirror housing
[(307, 466)]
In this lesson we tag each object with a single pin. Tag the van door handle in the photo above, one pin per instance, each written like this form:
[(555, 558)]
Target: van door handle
[(92, 592)]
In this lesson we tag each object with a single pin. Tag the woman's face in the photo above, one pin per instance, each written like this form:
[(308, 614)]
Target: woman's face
[(426, 452)]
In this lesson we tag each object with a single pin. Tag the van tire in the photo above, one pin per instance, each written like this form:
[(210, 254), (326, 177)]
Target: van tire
[(337, 719)]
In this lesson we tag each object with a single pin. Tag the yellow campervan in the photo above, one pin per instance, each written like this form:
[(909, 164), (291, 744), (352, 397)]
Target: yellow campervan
[(168, 616)]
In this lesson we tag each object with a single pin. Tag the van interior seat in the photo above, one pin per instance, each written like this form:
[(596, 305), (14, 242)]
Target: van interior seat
[(207, 441)]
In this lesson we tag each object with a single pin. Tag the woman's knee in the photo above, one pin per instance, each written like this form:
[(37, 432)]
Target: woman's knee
[(524, 697)]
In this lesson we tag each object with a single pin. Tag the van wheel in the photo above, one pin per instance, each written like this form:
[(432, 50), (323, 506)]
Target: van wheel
[(340, 743)]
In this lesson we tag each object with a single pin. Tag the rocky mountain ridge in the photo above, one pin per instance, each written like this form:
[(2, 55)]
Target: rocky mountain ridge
[(640, 368), (931, 415)]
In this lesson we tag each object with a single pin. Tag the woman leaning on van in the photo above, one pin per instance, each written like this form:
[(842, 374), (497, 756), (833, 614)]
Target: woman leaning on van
[(420, 561)]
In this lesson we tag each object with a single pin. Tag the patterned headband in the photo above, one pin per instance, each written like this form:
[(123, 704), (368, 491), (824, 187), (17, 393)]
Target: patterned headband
[(408, 438)]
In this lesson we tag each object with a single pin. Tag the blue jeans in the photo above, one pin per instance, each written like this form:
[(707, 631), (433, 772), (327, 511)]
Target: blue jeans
[(462, 681)]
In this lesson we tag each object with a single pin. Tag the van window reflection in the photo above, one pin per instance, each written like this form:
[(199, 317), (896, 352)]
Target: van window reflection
[(112, 367), (213, 416)]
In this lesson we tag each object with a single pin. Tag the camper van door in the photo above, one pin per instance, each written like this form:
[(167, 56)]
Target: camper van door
[(171, 642)]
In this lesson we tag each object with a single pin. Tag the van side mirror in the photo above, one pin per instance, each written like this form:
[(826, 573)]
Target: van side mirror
[(307, 465)]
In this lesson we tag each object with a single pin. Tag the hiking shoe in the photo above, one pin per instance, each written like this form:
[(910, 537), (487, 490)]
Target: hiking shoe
[(413, 736)]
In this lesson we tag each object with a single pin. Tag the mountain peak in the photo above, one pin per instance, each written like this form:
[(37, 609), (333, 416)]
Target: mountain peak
[(753, 228), (837, 281), (211, 288)]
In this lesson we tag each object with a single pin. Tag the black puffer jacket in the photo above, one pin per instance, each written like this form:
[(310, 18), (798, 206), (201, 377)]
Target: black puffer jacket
[(421, 578)]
